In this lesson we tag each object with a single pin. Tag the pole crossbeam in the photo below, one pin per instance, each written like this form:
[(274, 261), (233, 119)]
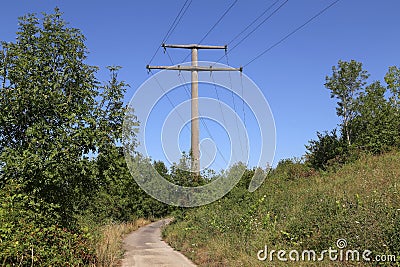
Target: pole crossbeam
[(194, 68), (197, 46)]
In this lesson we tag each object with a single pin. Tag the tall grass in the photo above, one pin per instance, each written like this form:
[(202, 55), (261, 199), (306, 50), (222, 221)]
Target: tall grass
[(360, 203), (108, 242)]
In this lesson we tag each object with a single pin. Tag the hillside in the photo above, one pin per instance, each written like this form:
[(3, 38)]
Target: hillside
[(359, 203)]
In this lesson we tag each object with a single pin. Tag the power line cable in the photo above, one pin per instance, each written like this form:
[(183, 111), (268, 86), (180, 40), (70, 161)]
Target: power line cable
[(218, 21), (183, 80), (234, 104), (180, 116), (179, 20), (215, 25), (251, 32), (292, 32), (170, 101), (172, 27), (254, 21), (258, 26)]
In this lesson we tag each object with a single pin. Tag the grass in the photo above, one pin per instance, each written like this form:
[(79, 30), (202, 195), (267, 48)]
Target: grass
[(108, 242), (359, 203)]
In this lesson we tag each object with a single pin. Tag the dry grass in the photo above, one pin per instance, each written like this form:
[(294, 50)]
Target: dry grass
[(108, 246)]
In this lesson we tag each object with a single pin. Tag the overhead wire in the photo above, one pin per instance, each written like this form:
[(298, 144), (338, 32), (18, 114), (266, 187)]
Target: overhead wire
[(173, 26), (179, 20), (215, 25), (254, 21), (234, 104), (218, 21), (243, 110), (184, 82), (182, 13), (292, 32), (257, 27), (170, 101)]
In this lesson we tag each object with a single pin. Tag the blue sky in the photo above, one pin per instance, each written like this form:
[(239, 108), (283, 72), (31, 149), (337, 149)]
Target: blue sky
[(291, 76)]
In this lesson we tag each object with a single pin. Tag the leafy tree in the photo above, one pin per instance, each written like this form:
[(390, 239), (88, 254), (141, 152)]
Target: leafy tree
[(370, 116), (61, 146), (161, 169), (347, 80), (392, 78), (47, 110), (180, 173), (30, 234), (328, 149), (375, 124), (118, 196)]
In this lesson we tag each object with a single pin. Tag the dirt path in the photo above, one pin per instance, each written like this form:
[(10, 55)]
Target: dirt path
[(144, 248)]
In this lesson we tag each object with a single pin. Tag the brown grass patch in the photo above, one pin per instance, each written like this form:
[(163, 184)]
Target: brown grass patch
[(108, 246)]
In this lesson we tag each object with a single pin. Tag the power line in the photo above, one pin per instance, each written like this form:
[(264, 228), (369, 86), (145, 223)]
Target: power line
[(219, 100), (251, 32), (215, 25), (291, 33), (234, 104), (254, 21), (242, 93), (183, 80), (173, 26), (170, 101), (258, 26), (179, 20), (185, 125), (218, 21)]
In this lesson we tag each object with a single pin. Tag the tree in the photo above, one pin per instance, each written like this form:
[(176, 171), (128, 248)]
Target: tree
[(48, 128), (347, 80), (328, 149), (47, 110), (374, 127), (392, 78)]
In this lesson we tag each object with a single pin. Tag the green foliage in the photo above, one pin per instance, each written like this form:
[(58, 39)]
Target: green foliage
[(392, 78), (47, 109), (30, 234), (118, 197), (290, 169), (60, 154), (327, 150), (370, 117), (375, 124), (359, 203), (347, 79), (180, 173)]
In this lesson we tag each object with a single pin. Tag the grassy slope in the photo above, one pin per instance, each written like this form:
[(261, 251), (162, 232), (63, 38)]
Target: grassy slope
[(360, 203)]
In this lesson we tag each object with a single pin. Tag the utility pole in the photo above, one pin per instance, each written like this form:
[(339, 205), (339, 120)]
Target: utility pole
[(194, 68)]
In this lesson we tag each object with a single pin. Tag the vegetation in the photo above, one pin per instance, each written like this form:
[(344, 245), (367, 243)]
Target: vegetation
[(345, 187), (370, 116), (67, 196), (61, 166), (292, 210), (108, 246)]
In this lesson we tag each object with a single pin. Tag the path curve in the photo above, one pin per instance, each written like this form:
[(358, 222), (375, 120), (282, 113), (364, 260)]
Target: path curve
[(144, 248)]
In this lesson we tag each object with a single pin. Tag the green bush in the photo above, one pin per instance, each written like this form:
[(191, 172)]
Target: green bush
[(290, 169), (31, 236)]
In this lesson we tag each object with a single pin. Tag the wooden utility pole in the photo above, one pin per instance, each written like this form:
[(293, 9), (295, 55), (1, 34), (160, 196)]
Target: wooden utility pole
[(194, 68)]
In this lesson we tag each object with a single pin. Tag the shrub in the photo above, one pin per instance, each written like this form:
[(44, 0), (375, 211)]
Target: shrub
[(30, 235)]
